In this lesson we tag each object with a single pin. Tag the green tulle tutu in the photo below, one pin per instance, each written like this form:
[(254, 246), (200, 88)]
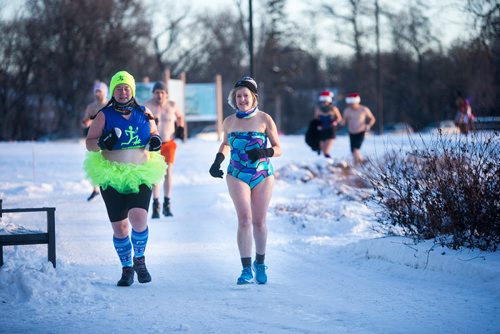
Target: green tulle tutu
[(124, 177)]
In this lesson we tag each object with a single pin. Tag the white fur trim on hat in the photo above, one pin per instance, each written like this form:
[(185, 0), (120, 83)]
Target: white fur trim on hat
[(326, 96), (323, 98), (353, 99)]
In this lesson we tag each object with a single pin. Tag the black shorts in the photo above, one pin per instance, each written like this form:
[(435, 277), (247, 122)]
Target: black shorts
[(326, 134), (356, 140), (119, 204)]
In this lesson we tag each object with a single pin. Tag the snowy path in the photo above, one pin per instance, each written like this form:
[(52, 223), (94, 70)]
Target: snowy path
[(316, 285)]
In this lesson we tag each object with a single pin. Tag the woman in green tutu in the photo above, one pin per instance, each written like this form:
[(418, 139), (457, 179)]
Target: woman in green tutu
[(123, 161)]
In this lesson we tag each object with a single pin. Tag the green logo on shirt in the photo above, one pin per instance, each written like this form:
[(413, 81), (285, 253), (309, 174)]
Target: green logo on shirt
[(133, 137)]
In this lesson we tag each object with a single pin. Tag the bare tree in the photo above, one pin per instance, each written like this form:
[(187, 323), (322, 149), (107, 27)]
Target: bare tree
[(275, 49), (19, 50), (487, 13), (223, 49), (242, 20), (83, 42), (412, 32), (53, 54), (171, 49), (378, 69), (349, 29)]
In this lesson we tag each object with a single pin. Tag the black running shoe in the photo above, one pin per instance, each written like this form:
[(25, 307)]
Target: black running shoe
[(156, 209), (166, 209), (127, 277), (94, 194), (143, 275)]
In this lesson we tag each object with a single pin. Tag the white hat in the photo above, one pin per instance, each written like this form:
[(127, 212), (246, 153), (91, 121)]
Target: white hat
[(353, 98)]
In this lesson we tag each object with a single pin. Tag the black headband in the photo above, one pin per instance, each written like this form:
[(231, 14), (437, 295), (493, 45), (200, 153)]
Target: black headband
[(247, 84)]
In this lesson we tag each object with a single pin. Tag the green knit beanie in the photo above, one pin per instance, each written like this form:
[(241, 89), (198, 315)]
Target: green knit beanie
[(122, 77)]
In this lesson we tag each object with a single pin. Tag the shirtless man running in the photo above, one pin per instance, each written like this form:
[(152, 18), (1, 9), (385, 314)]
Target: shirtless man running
[(359, 120), (166, 114), (101, 99)]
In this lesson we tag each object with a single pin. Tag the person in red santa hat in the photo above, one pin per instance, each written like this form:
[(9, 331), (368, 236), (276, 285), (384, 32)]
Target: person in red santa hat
[(359, 120), (329, 116)]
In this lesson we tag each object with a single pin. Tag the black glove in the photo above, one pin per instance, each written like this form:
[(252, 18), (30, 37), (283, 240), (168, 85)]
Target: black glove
[(154, 143), (215, 170), (259, 153), (108, 140), (179, 132)]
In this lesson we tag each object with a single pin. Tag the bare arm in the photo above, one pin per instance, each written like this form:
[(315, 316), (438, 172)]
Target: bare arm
[(178, 115), (224, 148), (316, 112), (371, 119), (95, 132), (272, 134), (338, 116), (152, 123), (224, 145), (86, 118), (343, 121), (223, 151)]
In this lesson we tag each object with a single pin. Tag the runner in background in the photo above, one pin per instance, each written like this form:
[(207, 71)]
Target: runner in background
[(359, 120), (101, 98), (329, 116), (170, 124)]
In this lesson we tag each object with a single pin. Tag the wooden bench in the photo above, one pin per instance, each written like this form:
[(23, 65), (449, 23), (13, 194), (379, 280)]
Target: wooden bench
[(32, 237)]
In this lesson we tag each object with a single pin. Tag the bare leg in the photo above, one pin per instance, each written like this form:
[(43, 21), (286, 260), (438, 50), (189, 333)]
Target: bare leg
[(156, 191), (94, 193), (241, 195), (261, 196), (322, 146), (120, 228), (138, 219), (327, 146), (358, 159), (167, 184)]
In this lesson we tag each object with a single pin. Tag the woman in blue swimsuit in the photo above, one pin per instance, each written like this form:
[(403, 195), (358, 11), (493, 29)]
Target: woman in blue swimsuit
[(250, 173)]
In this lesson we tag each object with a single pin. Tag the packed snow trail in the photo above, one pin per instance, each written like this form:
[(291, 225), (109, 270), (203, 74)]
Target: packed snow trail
[(325, 278)]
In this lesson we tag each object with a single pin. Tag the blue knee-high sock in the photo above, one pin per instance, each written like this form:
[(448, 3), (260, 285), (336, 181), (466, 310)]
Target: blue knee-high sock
[(139, 242), (124, 250)]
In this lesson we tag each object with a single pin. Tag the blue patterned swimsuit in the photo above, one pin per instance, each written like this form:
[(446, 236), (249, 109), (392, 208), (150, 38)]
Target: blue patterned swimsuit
[(252, 173)]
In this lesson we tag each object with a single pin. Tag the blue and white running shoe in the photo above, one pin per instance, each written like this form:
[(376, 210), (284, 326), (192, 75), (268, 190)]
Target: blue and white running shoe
[(246, 276), (260, 272)]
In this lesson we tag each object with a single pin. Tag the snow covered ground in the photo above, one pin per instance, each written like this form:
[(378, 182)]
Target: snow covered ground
[(329, 272)]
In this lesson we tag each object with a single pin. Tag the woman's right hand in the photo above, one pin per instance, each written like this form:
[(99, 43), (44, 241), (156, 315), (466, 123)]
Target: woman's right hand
[(215, 170)]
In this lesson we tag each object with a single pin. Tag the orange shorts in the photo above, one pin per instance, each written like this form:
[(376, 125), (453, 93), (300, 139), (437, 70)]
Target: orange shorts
[(168, 151)]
